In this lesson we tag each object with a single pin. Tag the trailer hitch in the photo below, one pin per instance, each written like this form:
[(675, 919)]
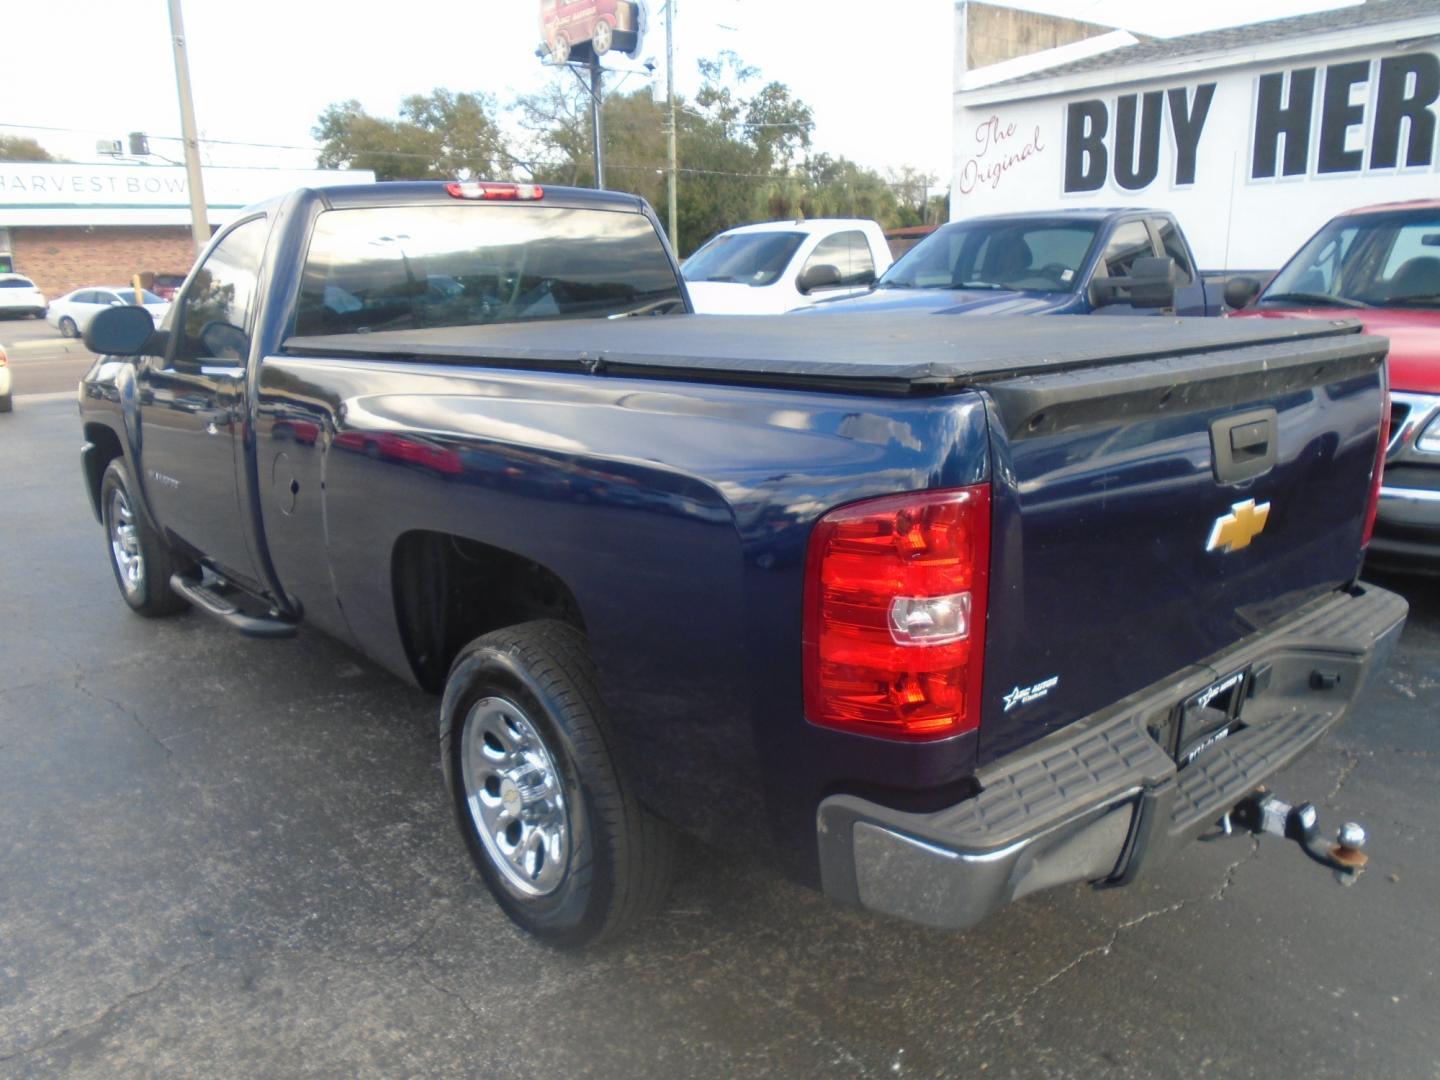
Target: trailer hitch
[(1263, 813)]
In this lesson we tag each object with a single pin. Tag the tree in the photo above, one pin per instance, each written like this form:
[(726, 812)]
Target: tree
[(442, 135), (20, 148)]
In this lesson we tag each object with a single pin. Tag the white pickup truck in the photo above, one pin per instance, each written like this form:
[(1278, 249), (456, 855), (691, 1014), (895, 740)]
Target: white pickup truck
[(778, 266)]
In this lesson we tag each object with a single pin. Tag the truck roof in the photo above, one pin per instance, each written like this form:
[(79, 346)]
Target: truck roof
[(880, 352), (1076, 213), (806, 225), (410, 192)]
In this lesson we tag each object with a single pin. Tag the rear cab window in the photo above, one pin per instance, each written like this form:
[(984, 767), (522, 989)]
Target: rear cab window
[(414, 267), (1173, 245), (849, 252), (16, 283)]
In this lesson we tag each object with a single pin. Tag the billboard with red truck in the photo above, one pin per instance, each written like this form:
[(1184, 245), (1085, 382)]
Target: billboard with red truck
[(581, 29)]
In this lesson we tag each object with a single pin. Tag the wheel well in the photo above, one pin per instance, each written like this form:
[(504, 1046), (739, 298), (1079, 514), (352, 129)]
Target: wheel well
[(107, 449), (449, 590)]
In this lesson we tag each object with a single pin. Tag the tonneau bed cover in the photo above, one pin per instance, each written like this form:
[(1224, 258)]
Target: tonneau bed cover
[(891, 353)]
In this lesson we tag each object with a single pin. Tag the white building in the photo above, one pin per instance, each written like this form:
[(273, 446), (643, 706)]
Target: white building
[(1253, 136)]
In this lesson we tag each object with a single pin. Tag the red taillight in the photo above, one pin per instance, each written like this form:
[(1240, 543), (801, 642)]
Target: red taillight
[(1378, 475), (475, 189), (895, 592)]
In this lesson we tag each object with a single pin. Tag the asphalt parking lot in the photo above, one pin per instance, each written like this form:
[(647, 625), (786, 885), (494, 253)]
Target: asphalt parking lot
[(41, 361), (222, 857)]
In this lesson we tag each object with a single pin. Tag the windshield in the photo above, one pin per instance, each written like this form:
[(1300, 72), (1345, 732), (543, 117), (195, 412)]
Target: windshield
[(412, 267), (743, 258), (1033, 255), (1365, 260)]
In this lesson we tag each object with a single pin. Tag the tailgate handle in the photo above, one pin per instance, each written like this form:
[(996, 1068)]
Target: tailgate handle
[(1244, 445)]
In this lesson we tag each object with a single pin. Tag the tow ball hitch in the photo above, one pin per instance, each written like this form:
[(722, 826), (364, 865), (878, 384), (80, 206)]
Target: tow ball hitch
[(1263, 813)]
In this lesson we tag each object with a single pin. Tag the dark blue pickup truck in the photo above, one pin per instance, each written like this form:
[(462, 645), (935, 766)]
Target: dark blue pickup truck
[(1085, 261), (930, 619)]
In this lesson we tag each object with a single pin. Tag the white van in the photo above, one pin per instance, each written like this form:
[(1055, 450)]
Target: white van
[(779, 266)]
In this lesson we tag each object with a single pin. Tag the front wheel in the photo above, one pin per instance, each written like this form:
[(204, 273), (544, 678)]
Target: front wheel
[(141, 560), (550, 820)]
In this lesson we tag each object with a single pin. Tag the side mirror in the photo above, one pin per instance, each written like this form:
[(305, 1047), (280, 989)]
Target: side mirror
[(225, 342), (820, 276), (121, 331), (1151, 283), (1241, 291)]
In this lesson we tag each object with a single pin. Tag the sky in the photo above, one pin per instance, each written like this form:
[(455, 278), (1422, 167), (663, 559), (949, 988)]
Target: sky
[(263, 70)]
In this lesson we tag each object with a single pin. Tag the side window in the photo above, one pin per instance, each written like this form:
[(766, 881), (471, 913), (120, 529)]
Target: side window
[(1129, 242), (86, 297), (1173, 246), (106, 298), (848, 252), (214, 320)]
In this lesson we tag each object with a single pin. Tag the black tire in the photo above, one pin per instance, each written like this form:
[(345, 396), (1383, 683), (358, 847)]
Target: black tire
[(68, 329), (151, 596), (6, 403), (620, 857)]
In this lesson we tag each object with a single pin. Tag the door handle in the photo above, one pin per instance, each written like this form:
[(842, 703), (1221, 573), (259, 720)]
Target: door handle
[(1245, 445)]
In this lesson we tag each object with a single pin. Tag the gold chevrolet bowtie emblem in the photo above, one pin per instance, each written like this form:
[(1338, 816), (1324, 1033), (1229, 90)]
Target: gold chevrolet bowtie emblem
[(1235, 530)]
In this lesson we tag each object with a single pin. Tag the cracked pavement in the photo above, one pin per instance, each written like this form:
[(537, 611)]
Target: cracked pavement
[(224, 857)]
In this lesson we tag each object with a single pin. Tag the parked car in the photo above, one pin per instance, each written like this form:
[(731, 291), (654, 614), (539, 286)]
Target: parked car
[(6, 402), (1064, 262), (932, 619), (584, 26), (1381, 265), (73, 312), (779, 266), (165, 286), (19, 296)]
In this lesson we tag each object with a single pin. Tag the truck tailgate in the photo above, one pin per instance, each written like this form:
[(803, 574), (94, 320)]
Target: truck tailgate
[(1148, 515)]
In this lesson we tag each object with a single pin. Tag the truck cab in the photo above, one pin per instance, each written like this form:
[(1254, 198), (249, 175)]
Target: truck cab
[(780, 266), (1063, 262)]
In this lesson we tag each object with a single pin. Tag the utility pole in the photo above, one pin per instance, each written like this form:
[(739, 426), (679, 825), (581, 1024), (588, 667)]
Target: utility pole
[(596, 90), (199, 223), (670, 104)]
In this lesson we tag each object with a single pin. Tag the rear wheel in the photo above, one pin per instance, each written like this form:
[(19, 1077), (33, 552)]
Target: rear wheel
[(141, 560), (559, 49), (551, 823), (68, 327), (6, 404), (602, 38)]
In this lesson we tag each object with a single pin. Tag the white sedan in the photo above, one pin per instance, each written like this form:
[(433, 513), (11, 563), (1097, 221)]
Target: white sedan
[(71, 314), (19, 296)]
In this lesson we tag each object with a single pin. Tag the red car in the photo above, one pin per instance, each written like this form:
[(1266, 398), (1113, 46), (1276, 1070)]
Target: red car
[(575, 26), (1381, 265)]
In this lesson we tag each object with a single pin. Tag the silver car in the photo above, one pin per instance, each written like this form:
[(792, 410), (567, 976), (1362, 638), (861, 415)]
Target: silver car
[(71, 314)]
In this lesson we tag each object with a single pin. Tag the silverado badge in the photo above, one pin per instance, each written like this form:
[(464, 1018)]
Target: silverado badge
[(1235, 530)]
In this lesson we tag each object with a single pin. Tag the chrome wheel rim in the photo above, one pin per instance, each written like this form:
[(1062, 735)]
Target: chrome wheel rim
[(515, 797), (603, 38), (125, 544)]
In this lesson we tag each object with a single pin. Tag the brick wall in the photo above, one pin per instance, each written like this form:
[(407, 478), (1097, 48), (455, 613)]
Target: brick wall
[(61, 259)]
